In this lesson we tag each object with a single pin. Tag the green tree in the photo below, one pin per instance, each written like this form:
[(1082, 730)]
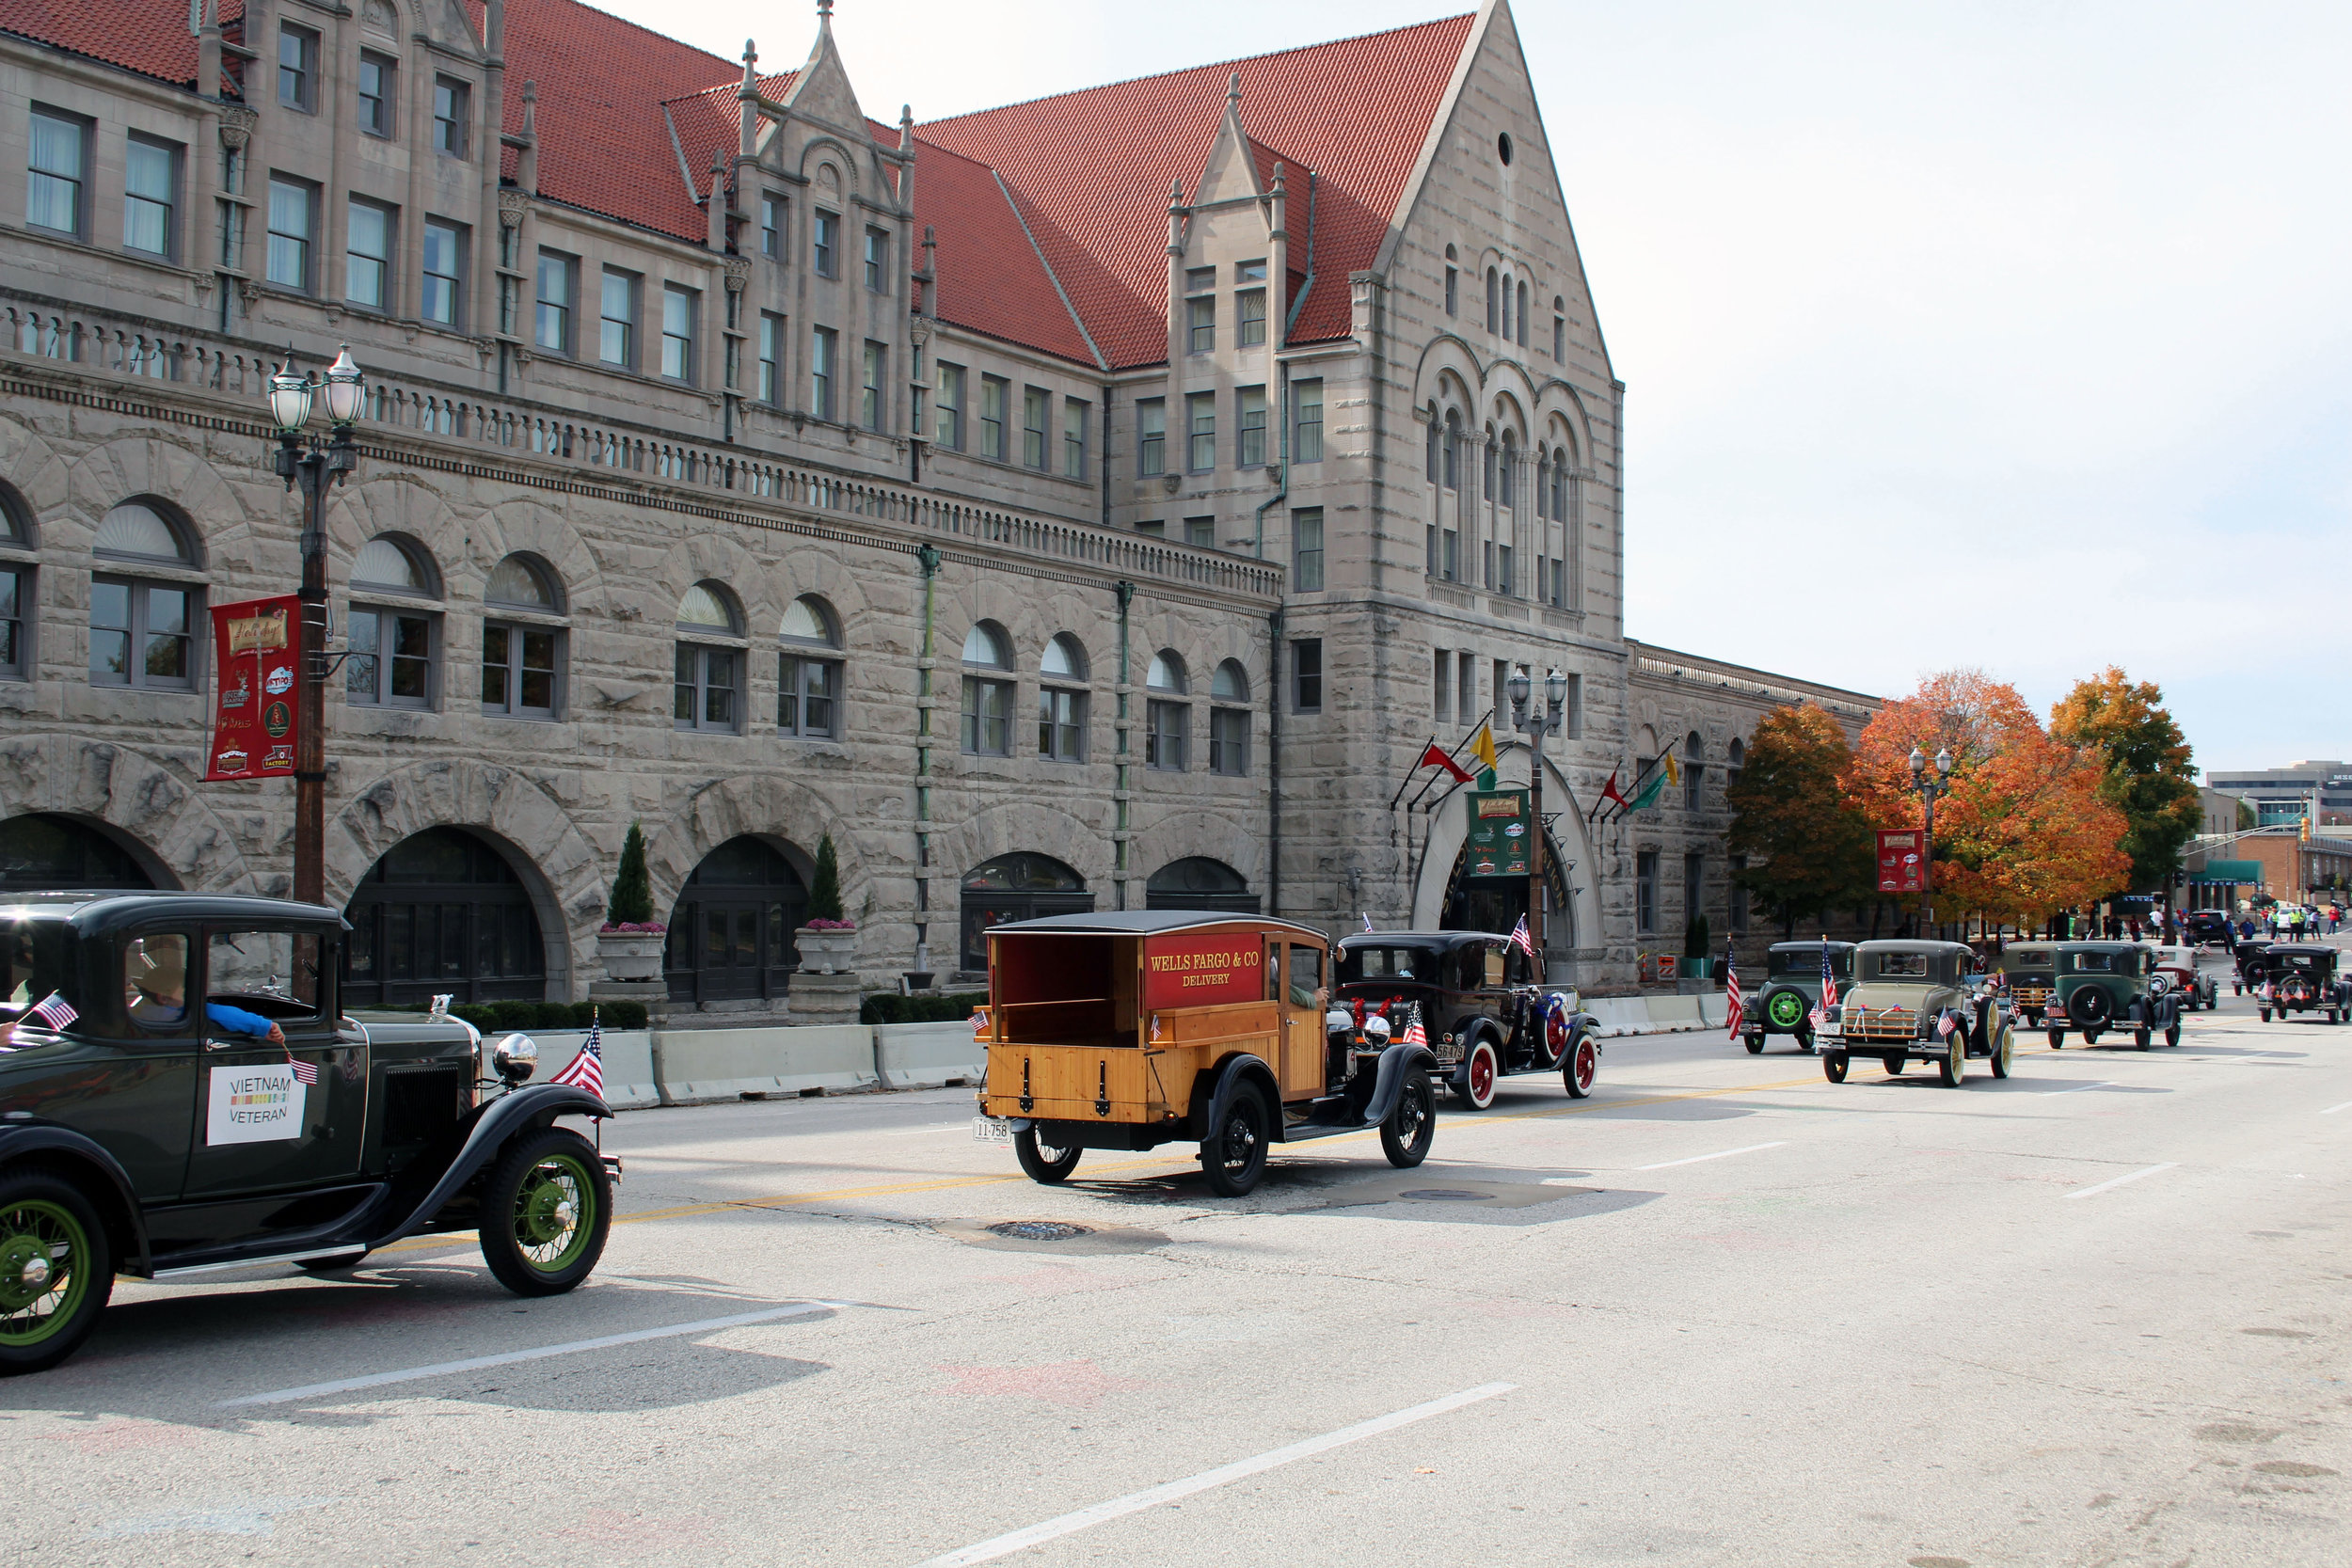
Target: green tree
[(825, 892), (1809, 849), (2144, 768), (631, 903)]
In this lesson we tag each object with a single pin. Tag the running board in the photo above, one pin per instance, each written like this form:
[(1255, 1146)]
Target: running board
[(309, 1255)]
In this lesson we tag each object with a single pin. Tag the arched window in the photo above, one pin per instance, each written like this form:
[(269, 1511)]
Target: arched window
[(1559, 328), (1735, 758), (1507, 490), (731, 930), (1522, 312), (1229, 721), (1061, 701), (1198, 882), (1487, 452), (442, 912), (1494, 300), (142, 629), (395, 642), (707, 685), (1453, 283), (1694, 751), (1453, 448), (1018, 886), (1506, 307), (523, 640), (16, 586), (1543, 482), (808, 670), (40, 853), (987, 691), (1167, 717), (1433, 433)]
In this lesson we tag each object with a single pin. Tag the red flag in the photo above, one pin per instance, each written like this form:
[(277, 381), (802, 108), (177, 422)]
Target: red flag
[(1609, 791), (1436, 757)]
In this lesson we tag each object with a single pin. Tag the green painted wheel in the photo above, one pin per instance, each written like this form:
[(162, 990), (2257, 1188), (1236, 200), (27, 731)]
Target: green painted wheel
[(56, 1271), (1786, 1010), (544, 1212)]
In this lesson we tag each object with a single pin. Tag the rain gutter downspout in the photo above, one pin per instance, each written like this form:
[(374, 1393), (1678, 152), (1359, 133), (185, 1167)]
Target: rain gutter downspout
[(1274, 766), (928, 558), (1126, 592)]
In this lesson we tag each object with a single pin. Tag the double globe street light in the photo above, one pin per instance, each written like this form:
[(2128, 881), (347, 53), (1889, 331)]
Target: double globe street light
[(1930, 785), (315, 466), (1535, 726)]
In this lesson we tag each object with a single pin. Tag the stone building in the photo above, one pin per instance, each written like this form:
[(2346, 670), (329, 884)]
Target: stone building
[(1099, 500)]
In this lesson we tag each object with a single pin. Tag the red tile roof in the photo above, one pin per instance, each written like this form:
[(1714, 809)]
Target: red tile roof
[(152, 40)]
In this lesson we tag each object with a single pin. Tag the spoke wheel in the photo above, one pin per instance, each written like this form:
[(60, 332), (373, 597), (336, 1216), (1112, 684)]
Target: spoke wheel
[(1404, 1137), (1951, 1067), (544, 1212), (1234, 1156), (1833, 1065), (2001, 1044), (1477, 1083), (1042, 1161), (56, 1271), (1583, 1065)]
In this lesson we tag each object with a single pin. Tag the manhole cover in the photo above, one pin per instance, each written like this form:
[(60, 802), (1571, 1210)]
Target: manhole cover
[(1445, 1195), (1040, 1230)]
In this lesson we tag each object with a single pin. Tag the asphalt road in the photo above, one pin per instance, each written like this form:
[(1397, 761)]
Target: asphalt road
[(1722, 1312)]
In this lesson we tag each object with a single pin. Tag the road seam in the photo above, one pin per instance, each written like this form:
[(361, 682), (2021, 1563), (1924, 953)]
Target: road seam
[(1718, 1154), (2088, 1192)]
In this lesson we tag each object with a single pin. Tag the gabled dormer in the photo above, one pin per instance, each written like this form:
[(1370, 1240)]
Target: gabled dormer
[(1228, 280)]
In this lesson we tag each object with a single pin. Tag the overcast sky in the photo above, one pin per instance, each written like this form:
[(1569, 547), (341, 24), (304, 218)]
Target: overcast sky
[(2006, 334)]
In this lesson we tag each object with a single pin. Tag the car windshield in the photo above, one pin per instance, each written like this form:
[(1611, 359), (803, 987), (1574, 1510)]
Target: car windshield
[(1899, 966), (2101, 963), (2027, 958), (1805, 964), (39, 958), (1388, 964)]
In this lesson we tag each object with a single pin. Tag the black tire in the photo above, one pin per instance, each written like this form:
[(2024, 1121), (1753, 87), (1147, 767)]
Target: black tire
[(2091, 1007), (2141, 1039), (344, 1264), (1833, 1065), (1043, 1161), (1804, 1040), (2172, 1033), (47, 1310), (1404, 1137), (2004, 1041), (1894, 1064), (1581, 1067), (1234, 1155), (2265, 1014), (2057, 1040), (535, 1235), (2090, 1037), (1756, 1045)]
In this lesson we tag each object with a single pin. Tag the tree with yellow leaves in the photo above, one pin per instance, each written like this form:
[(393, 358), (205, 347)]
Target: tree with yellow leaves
[(2144, 768)]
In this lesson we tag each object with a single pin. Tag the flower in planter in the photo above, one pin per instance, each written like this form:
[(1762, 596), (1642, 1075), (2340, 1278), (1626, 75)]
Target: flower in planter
[(633, 928), (822, 924)]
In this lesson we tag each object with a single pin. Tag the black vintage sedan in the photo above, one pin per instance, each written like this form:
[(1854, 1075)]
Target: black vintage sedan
[(1485, 1014), (179, 1092)]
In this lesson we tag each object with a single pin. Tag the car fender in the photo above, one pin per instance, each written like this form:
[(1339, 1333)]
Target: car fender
[(110, 1184), (1209, 1102), (534, 1105), (1397, 1063)]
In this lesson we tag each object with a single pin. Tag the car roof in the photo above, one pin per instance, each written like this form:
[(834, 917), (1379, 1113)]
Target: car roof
[(1913, 945), (1150, 922), (98, 910), (1814, 947), (2101, 946), (1419, 939)]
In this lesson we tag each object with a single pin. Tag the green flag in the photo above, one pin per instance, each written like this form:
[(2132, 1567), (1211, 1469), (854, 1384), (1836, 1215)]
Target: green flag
[(1649, 793)]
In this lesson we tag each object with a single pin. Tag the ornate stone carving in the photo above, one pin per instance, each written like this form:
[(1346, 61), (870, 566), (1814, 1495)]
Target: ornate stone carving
[(236, 126), (920, 330), (248, 291), (1172, 482), (378, 18), (738, 272), (512, 206)]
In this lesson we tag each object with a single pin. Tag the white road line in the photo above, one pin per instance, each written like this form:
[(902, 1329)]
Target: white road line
[(2333, 1108), (1721, 1154), (2106, 1083), (605, 1341), (1135, 1502), (927, 1127), (2103, 1186)]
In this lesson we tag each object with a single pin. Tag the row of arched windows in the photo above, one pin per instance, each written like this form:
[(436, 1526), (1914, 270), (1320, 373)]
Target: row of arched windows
[(990, 727), (1509, 311)]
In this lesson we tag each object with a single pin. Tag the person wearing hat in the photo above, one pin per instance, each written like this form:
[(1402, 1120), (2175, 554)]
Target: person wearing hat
[(159, 982)]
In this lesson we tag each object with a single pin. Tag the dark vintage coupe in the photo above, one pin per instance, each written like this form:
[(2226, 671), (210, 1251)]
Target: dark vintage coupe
[(1792, 990), (1485, 1016), (2300, 977), (180, 1093)]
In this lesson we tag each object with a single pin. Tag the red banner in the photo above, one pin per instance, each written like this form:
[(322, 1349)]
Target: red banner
[(1198, 972), (1902, 869), (256, 661)]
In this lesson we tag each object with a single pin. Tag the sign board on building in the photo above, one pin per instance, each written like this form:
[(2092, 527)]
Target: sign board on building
[(1198, 972), (1499, 827), (2231, 873), (255, 656), (1902, 867)]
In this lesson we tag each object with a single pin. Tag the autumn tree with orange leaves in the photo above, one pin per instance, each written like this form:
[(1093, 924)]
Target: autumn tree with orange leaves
[(2023, 831)]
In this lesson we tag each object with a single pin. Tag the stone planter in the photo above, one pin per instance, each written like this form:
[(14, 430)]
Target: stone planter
[(825, 952), (630, 955)]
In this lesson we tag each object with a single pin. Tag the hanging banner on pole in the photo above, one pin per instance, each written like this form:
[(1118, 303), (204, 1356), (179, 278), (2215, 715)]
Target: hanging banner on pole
[(254, 712), (1498, 829), (1902, 867)]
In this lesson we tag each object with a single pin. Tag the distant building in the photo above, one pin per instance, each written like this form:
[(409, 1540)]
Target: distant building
[(2286, 794), (2218, 812)]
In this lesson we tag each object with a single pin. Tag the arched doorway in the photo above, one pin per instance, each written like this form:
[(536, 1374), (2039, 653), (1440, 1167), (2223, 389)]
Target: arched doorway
[(44, 852), (442, 912), (1019, 886), (731, 931), (1198, 882)]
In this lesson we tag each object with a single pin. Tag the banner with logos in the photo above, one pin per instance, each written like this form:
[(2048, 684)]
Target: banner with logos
[(1902, 867), (256, 662), (1499, 827)]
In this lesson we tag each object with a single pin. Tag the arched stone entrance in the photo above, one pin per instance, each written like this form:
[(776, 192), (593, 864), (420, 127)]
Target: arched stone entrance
[(1446, 898), (1023, 885), (731, 928), (44, 851), (443, 912), (1198, 882)]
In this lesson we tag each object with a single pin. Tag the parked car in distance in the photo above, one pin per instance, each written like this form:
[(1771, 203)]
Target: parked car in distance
[(1912, 998), (2300, 977), (1485, 1016), (2029, 972), (2203, 926), (179, 1092), (2177, 971), (2110, 985), (1793, 989)]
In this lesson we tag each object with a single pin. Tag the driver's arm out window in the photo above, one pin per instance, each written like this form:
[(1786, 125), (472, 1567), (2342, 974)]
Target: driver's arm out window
[(264, 973)]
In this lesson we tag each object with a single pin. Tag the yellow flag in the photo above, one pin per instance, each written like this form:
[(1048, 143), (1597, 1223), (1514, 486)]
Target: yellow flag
[(1483, 747), (1674, 774)]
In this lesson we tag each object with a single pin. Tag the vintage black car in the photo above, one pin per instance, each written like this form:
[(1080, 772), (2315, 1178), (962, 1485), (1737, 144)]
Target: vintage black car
[(2203, 927), (179, 1092), (2110, 985), (2249, 962), (1485, 1014), (1793, 989), (2300, 977)]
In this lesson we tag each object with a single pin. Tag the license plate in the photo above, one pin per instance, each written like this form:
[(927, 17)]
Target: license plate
[(992, 1129)]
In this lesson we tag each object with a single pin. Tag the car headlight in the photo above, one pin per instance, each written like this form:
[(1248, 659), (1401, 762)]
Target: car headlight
[(516, 1057)]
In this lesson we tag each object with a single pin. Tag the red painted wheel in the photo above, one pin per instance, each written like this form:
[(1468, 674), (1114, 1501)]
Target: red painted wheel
[(1478, 1077), (1583, 1067)]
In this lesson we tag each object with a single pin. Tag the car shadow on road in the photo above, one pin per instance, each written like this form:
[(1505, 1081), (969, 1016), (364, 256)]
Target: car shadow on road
[(1439, 1193)]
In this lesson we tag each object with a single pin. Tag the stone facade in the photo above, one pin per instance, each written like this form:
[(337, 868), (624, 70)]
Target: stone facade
[(742, 466)]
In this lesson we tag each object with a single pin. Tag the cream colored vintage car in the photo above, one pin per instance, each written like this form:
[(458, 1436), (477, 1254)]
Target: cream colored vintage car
[(1926, 999)]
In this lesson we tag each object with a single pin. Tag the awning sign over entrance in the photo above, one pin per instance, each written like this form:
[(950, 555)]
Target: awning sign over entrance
[(1499, 833), (2230, 873)]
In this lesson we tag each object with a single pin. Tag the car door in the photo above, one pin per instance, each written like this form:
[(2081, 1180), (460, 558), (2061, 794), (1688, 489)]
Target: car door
[(1302, 1068), (259, 1127)]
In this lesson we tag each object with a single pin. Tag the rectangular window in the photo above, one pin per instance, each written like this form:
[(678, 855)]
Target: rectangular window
[(703, 689), (1033, 403), (771, 357), (823, 349), (1502, 569), (772, 225), (1061, 724), (376, 93), (616, 330), (1168, 727), (518, 670), (995, 393), (290, 234), (1201, 532), (299, 68), (870, 404), (150, 196), (947, 408), (1306, 549), (1249, 440), (53, 190), (1201, 323), (1487, 563), (139, 635), (678, 331), (1151, 436), (1692, 778), (1501, 692), (1560, 584), (1452, 554), (1229, 741), (987, 717), (878, 260), (1694, 885), (557, 274), (1442, 687), (392, 659), (1559, 337), (1646, 892), (451, 106), (1739, 898), (1307, 443), (1155, 529), (1307, 676), (1074, 437), (1250, 317), (15, 594), (367, 253), (1466, 686), (808, 697), (1200, 426), (824, 242), (1572, 713), (444, 263)]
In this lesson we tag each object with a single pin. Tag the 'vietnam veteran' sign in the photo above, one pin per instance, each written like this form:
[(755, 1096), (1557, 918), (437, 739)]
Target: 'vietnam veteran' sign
[(1196, 972), (254, 1106)]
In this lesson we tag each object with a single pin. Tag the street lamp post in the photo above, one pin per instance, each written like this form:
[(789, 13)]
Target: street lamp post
[(1930, 785), (314, 465), (1535, 726)]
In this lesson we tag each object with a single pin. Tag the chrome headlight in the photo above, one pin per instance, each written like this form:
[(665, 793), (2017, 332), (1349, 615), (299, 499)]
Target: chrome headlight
[(516, 1057)]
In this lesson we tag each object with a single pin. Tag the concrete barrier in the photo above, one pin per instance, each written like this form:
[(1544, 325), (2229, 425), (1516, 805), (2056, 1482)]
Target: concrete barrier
[(1618, 1015), (629, 1083), (1672, 1013), (927, 1056), (701, 1066)]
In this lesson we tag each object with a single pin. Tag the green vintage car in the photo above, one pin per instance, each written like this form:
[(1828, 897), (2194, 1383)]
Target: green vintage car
[(1792, 988), (1926, 999), (2030, 975), (2109, 984)]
